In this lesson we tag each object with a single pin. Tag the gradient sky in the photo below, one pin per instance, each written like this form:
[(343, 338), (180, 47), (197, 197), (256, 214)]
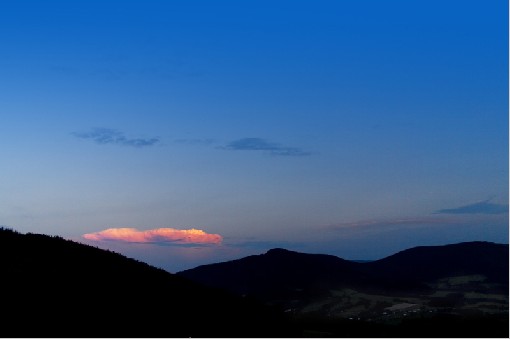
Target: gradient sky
[(183, 133)]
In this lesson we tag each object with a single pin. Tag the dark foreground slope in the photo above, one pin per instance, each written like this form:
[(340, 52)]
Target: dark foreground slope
[(458, 290), (51, 287)]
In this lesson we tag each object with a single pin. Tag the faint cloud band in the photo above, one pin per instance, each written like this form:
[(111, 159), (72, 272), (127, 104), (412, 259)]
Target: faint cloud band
[(105, 136), (483, 207), (259, 144)]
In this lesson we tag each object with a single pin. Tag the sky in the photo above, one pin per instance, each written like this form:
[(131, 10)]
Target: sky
[(183, 133)]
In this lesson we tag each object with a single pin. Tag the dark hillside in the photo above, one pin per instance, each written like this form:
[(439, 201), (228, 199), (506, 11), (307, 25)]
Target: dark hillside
[(426, 263), (279, 270), (278, 274), (457, 290), (51, 287)]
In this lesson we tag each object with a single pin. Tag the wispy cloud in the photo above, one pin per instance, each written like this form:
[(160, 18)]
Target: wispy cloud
[(105, 136), (158, 236), (432, 221), (385, 223), (483, 207), (258, 144)]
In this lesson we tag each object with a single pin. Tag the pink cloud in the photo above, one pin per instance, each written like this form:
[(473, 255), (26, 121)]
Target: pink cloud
[(159, 235)]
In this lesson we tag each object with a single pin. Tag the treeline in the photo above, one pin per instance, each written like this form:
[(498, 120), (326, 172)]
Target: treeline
[(52, 287)]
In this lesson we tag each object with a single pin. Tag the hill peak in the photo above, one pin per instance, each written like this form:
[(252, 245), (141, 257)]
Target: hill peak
[(279, 250)]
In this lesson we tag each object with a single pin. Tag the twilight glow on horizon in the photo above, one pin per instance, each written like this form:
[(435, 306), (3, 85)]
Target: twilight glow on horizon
[(183, 133)]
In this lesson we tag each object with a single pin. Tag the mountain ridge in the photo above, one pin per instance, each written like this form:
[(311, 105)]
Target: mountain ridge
[(282, 276), (52, 287), (401, 260)]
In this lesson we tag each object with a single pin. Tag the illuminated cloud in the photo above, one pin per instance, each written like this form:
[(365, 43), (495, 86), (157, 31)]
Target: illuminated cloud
[(105, 136), (159, 235), (258, 144)]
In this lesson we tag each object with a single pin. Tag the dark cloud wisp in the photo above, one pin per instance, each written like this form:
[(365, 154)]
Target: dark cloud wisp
[(105, 136), (483, 207), (258, 144)]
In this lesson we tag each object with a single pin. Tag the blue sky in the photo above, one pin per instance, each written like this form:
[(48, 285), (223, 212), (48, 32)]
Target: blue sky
[(354, 128)]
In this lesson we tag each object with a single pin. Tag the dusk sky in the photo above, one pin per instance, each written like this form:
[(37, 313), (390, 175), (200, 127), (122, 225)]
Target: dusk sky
[(182, 133)]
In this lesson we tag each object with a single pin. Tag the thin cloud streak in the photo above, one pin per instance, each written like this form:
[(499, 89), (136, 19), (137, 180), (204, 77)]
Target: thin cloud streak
[(483, 207), (381, 223), (258, 144), (494, 222), (105, 136), (157, 236)]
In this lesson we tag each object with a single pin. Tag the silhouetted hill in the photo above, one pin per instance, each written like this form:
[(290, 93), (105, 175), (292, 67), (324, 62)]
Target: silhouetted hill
[(51, 287), (281, 269), (457, 290), (277, 273), (427, 263)]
